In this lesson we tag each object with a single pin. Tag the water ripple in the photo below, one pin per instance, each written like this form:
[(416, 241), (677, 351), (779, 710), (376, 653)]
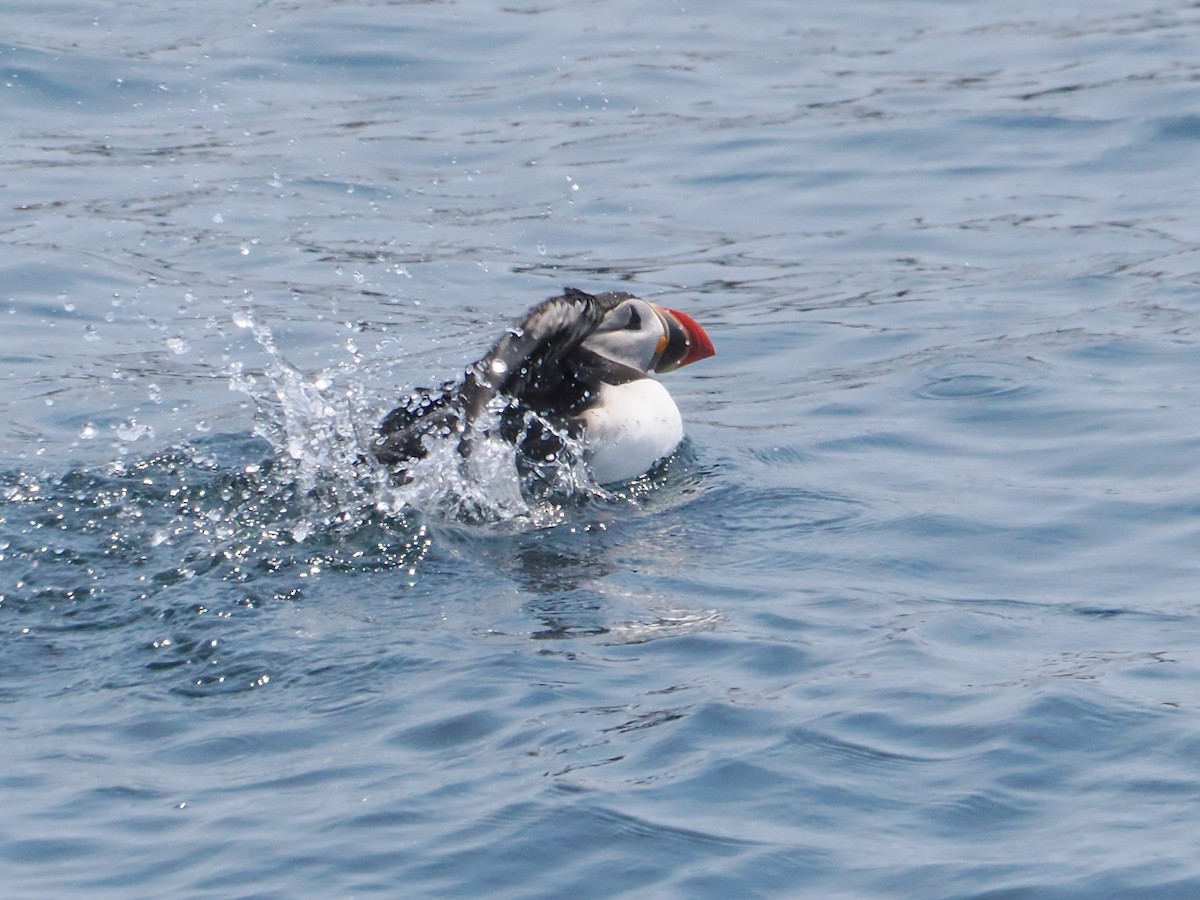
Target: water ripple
[(911, 613)]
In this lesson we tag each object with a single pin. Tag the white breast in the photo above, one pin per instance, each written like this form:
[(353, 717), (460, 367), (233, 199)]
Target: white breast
[(632, 427)]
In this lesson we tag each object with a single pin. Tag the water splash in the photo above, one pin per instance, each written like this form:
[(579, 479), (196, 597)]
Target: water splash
[(322, 426), (249, 518)]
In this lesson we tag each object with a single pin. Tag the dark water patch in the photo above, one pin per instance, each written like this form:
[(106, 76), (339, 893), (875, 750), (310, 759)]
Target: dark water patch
[(762, 510), (456, 733), (867, 760), (974, 381), (889, 440), (1079, 725), (1179, 128), (781, 869), (47, 851), (981, 813), (173, 559), (662, 848)]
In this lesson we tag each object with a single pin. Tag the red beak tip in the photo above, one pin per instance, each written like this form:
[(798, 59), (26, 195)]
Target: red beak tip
[(700, 345)]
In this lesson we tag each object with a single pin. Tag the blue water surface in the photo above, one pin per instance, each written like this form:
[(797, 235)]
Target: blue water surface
[(914, 611)]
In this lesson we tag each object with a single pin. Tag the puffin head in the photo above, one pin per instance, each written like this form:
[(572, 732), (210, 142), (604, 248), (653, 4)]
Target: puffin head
[(648, 337)]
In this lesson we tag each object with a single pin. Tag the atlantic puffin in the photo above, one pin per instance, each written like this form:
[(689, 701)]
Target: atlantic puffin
[(577, 366)]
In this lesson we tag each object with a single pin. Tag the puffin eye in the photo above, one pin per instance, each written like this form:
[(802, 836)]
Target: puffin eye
[(635, 321)]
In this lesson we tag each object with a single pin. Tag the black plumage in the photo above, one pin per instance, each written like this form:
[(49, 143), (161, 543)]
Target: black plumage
[(538, 367)]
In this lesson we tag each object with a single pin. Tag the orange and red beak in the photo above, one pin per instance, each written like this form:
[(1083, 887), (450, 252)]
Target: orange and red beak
[(685, 341)]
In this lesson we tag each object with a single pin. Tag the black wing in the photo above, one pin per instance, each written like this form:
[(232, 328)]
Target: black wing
[(529, 364)]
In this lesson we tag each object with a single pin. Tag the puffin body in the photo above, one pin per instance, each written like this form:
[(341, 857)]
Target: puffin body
[(630, 428), (576, 367)]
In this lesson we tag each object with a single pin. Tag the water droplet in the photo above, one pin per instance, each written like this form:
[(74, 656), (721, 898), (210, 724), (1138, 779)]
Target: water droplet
[(90, 334), (87, 432), (131, 429), (155, 393), (177, 345), (301, 531), (218, 219), (499, 366)]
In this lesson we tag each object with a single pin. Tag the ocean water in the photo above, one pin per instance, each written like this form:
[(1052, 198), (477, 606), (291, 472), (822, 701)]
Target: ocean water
[(913, 613)]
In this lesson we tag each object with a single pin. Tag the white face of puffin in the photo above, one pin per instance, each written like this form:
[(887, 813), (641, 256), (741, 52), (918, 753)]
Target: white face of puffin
[(649, 338), (629, 335)]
